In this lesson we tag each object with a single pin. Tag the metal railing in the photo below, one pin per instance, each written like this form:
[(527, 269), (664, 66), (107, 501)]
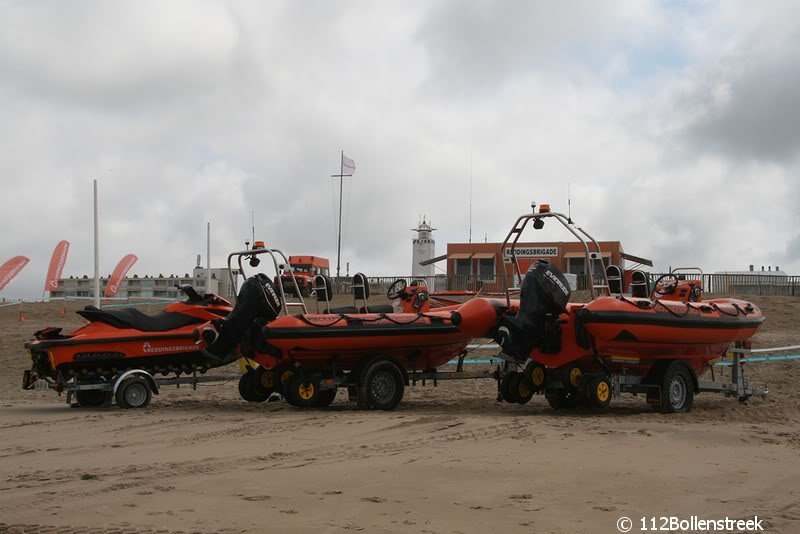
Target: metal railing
[(746, 284), (740, 284)]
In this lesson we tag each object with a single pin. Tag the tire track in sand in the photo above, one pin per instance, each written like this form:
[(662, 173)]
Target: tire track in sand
[(149, 474)]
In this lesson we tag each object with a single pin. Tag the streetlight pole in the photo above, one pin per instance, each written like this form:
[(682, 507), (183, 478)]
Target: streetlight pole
[(96, 252)]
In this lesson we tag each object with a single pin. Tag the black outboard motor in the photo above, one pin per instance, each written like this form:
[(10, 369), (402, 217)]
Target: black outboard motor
[(258, 302), (543, 297)]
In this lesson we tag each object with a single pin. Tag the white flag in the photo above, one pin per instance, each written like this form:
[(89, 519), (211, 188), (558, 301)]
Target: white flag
[(348, 165)]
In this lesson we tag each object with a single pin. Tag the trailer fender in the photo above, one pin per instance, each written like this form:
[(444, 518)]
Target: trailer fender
[(136, 372)]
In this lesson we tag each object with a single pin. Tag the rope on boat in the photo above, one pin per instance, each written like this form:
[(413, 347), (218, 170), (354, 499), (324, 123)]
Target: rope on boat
[(380, 317)]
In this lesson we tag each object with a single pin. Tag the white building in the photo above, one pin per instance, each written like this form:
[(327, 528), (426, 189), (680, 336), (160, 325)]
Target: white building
[(424, 248), (769, 281), (150, 286)]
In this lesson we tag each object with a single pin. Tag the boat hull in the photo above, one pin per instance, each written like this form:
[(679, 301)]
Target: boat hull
[(415, 341), (635, 334), (628, 329)]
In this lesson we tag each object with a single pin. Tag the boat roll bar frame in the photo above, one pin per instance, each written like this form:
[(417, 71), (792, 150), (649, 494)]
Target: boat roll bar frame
[(274, 254), (582, 236)]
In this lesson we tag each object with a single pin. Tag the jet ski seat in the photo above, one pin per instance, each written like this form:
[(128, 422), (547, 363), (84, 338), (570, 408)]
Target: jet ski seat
[(372, 308), (133, 318)]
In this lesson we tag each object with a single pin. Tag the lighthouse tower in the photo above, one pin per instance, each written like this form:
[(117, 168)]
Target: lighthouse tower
[(424, 248)]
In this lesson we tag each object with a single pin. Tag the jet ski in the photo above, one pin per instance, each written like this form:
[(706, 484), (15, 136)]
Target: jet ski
[(115, 340)]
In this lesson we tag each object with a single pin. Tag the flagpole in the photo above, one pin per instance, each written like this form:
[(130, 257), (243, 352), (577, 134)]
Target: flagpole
[(96, 252), (341, 176), (339, 246)]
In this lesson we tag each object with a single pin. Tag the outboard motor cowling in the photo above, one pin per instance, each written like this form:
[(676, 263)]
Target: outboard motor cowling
[(258, 300), (544, 296)]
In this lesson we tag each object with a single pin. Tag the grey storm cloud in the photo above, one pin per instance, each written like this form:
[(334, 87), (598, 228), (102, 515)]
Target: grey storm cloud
[(753, 113), (188, 112)]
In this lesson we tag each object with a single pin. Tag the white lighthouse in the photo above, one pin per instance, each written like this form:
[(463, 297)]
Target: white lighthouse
[(424, 248)]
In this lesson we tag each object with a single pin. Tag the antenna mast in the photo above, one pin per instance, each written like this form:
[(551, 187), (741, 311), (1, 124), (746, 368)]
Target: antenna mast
[(569, 204), (470, 197)]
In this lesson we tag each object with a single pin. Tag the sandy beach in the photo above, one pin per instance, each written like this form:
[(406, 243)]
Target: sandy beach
[(450, 459)]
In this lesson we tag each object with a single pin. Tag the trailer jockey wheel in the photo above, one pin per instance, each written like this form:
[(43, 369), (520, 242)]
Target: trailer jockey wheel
[(521, 391), (535, 374), (133, 392), (598, 391), (303, 392)]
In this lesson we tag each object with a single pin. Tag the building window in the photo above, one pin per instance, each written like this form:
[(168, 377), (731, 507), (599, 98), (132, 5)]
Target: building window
[(463, 266), (486, 269), (576, 266)]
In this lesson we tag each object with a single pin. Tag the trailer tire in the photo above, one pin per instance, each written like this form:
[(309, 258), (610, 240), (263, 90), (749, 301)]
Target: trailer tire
[(133, 392), (677, 389), (520, 390), (247, 388), (561, 399), (598, 391), (571, 378), (263, 381), (303, 392), (90, 397), (381, 385), (506, 390), (326, 397), (536, 375)]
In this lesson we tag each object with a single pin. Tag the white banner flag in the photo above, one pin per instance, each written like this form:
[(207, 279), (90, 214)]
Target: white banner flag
[(348, 165)]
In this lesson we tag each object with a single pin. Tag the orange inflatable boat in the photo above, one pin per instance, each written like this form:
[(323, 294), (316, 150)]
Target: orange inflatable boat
[(657, 344)]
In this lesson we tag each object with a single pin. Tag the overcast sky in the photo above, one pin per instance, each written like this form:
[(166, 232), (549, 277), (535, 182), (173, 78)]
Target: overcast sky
[(677, 125)]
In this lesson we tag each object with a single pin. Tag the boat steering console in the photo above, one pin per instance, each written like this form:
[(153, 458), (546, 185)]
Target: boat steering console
[(412, 298), (671, 286)]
